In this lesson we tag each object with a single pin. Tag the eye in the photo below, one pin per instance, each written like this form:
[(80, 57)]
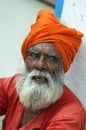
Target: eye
[(33, 55), (52, 59)]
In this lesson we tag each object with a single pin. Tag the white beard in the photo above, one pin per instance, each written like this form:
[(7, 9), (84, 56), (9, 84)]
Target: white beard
[(35, 96)]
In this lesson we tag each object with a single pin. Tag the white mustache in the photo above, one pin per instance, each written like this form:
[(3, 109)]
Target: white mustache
[(39, 73), (31, 95)]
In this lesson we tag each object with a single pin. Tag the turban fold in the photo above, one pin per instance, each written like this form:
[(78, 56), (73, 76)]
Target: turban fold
[(48, 28)]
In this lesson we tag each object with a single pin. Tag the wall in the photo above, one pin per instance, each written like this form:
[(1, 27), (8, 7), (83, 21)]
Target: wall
[(74, 16), (15, 20)]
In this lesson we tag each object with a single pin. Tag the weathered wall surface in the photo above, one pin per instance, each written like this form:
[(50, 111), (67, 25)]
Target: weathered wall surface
[(16, 16), (74, 16), (15, 20)]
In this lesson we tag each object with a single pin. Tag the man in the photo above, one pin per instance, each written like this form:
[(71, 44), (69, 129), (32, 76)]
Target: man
[(37, 99)]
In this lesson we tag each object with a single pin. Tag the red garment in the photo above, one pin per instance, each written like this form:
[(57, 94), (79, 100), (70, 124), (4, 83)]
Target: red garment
[(65, 114)]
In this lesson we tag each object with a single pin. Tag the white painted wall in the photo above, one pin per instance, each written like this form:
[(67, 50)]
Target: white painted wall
[(16, 16), (15, 20), (74, 16)]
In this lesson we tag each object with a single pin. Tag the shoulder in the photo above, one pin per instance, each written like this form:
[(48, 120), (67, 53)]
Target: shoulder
[(7, 84), (7, 92), (69, 113), (70, 105), (6, 81)]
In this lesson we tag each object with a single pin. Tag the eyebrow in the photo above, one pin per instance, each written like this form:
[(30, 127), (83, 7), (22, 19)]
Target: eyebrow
[(33, 50), (52, 54)]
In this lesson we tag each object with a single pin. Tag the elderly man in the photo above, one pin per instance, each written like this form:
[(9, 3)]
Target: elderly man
[(37, 99)]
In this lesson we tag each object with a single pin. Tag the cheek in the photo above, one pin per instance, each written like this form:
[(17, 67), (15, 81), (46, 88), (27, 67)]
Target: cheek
[(52, 68), (30, 64)]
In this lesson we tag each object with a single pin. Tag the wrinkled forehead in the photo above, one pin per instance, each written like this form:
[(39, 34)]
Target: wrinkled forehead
[(45, 47)]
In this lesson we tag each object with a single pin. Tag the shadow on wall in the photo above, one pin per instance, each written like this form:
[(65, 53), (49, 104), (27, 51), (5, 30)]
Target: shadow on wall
[(49, 2)]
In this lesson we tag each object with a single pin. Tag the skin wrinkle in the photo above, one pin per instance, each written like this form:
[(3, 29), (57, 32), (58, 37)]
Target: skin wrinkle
[(48, 28), (33, 95), (44, 47), (48, 92), (31, 50)]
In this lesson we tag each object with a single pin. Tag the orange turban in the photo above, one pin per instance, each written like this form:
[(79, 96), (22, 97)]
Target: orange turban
[(47, 28)]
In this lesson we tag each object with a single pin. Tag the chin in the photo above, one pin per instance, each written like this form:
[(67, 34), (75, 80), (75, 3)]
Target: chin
[(39, 96)]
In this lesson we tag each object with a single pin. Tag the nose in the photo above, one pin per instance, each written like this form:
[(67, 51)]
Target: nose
[(41, 64)]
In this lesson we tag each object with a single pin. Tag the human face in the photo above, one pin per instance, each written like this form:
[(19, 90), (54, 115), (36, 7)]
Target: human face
[(39, 95), (36, 96), (43, 57)]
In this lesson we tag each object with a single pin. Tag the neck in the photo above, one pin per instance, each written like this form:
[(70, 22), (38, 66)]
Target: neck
[(28, 115)]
